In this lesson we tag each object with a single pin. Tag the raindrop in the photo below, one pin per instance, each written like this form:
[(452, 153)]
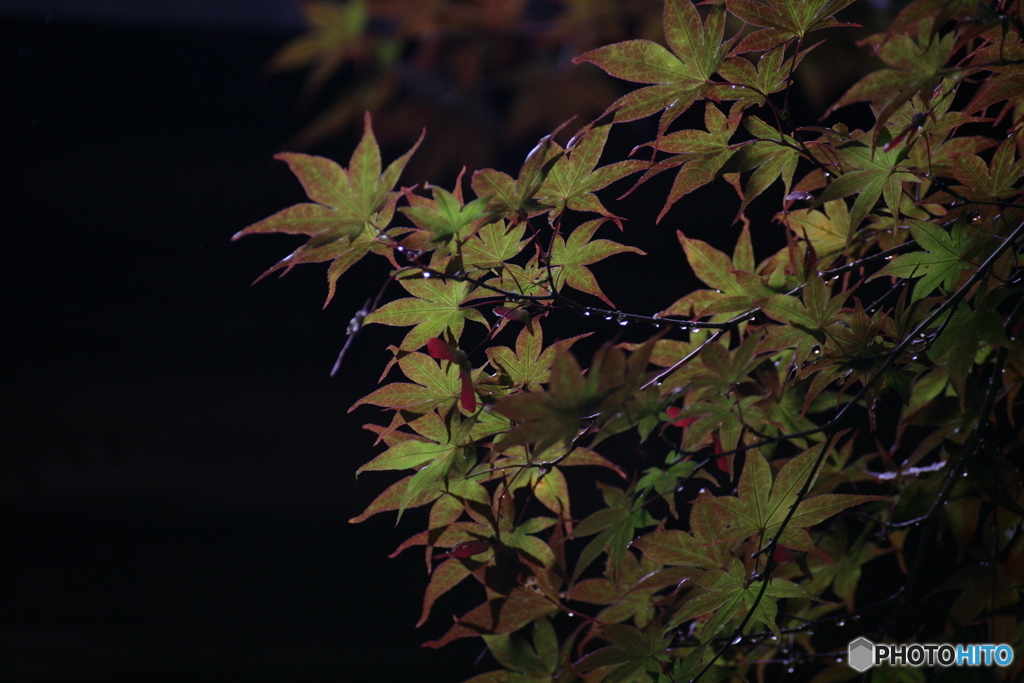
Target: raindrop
[(426, 275), (657, 326), (790, 670), (839, 660), (841, 623), (737, 640), (623, 322), (399, 248), (586, 312), (608, 317), (571, 614)]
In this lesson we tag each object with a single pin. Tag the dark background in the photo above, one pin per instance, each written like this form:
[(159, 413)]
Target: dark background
[(177, 470)]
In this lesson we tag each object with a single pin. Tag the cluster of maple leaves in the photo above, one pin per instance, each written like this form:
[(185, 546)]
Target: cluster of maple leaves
[(726, 540)]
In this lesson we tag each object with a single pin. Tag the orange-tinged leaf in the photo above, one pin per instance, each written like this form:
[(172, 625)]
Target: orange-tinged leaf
[(392, 499), (447, 575), (673, 547), (353, 206), (499, 615)]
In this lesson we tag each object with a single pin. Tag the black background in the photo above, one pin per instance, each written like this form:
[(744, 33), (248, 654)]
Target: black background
[(178, 468)]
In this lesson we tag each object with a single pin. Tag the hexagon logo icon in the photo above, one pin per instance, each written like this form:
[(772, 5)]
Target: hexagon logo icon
[(861, 654)]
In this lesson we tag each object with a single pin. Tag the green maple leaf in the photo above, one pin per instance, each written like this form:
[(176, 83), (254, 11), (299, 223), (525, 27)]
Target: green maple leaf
[(956, 348), (674, 547), (630, 595), (433, 387), (762, 504), (772, 156), (916, 68), (547, 418), (631, 650), (827, 232), (946, 256), (784, 20), (445, 217), (434, 307), (677, 78), (814, 313), (537, 658), (414, 452), (727, 415), (572, 181), (516, 198), (730, 289), (726, 592), (700, 155), (750, 83), (570, 258), (870, 173), (351, 208), (528, 367), (995, 181), (615, 526), (493, 245)]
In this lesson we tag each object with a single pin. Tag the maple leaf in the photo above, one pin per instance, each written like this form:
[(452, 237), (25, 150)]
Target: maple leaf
[(337, 35), (445, 217), (442, 350), (572, 180), (871, 173), (570, 258), (700, 155), (494, 245), (917, 67), (614, 525), (993, 182), (528, 367), (630, 595), (678, 78), (500, 615), (827, 232), (434, 307), (632, 650), (762, 504), (434, 387), (722, 274), (723, 593), (350, 209), (508, 197), (537, 658), (814, 314), (412, 452), (673, 547), (946, 255), (750, 83), (772, 155), (550, 417), (783, 20)]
